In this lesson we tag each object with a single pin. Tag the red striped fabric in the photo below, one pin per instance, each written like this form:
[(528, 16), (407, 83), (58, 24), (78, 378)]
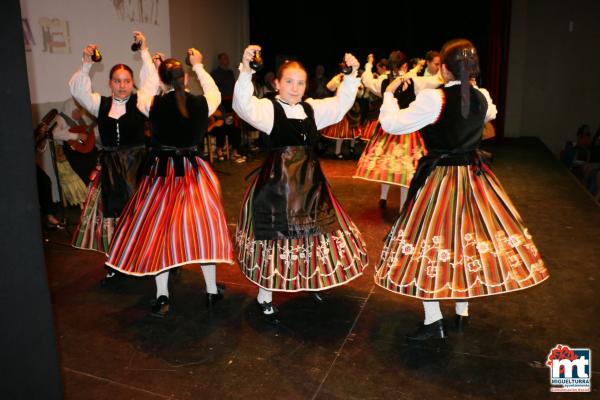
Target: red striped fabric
[(461, 238), (93, 232), (341, 130), (172, 221), (369, 129)]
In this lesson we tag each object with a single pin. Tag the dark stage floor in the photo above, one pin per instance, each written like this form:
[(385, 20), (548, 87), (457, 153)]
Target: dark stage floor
[(352, 346)]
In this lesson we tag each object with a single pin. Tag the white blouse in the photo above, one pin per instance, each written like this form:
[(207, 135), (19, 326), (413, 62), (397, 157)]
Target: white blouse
[(372, 84), (260, 113), (209, 88), (420, 82), (422, 112)]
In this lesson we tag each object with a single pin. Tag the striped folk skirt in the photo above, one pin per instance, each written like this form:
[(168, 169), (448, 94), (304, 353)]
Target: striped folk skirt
[(94, 231), (111, 185), (460, 238), (342, 130), (175, 217), (309, 259), (391, 159), (369, 129)]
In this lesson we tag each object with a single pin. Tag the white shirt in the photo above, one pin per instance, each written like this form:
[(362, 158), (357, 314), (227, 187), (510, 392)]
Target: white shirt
[(420, 82), (81, 87), (424, 111), (209, 88), (260, 113), (372, 84)]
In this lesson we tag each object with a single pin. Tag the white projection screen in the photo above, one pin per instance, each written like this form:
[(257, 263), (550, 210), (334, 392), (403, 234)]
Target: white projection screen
[(56, 31)]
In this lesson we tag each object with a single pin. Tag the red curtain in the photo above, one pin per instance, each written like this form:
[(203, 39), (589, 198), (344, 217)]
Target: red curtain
[(497, 67)]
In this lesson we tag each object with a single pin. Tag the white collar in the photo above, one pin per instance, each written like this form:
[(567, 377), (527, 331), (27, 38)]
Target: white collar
[(279, 99), (121, 101), (452, 83)]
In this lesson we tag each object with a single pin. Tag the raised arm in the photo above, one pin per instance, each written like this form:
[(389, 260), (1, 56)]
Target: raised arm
[(209, 87), (372, 84), (331, 110), (427, 82), (257, 112), (149, 80), (80, 83), (422, 112)]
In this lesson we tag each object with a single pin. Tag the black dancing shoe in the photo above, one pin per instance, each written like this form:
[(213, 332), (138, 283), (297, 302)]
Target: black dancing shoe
[(267, 309), (213, 298), (160, 308), (112, 276), (461, 322), (382, 204), (435, 330)]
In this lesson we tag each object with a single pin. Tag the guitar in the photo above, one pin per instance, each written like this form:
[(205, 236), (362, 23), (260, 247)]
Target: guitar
[(80, 145), (215, 120)]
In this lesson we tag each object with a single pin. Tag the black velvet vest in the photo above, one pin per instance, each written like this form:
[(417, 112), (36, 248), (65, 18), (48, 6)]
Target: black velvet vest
[(130, 125), (451, 132), (452, 139), (170, 128), (293, 132), (404, 97)]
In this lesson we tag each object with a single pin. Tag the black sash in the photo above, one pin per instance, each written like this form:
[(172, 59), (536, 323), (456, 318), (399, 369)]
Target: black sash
[(428, 163)]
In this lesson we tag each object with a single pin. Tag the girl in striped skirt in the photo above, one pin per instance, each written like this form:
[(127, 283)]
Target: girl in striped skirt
[(458, 236), (392, 159), (293, 234), (371, 123), (121, 128), (176, 216)]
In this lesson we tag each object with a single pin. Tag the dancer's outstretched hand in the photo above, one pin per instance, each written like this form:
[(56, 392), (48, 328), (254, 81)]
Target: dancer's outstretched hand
[(248, 56), (351, 61), (195, 56), (87, 53), (141, 39)]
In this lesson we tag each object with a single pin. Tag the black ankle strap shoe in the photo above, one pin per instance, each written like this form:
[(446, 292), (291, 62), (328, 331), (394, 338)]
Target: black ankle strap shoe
[(267, 309), (435, 330), (160, 308), (461, 322), (213, 298)]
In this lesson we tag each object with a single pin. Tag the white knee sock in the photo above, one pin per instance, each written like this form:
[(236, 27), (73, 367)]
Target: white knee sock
[(162, 284), (385, 188), (403, 194), (432, 311), (338, 146), (462, 308), (210, 278), (264, 296)]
